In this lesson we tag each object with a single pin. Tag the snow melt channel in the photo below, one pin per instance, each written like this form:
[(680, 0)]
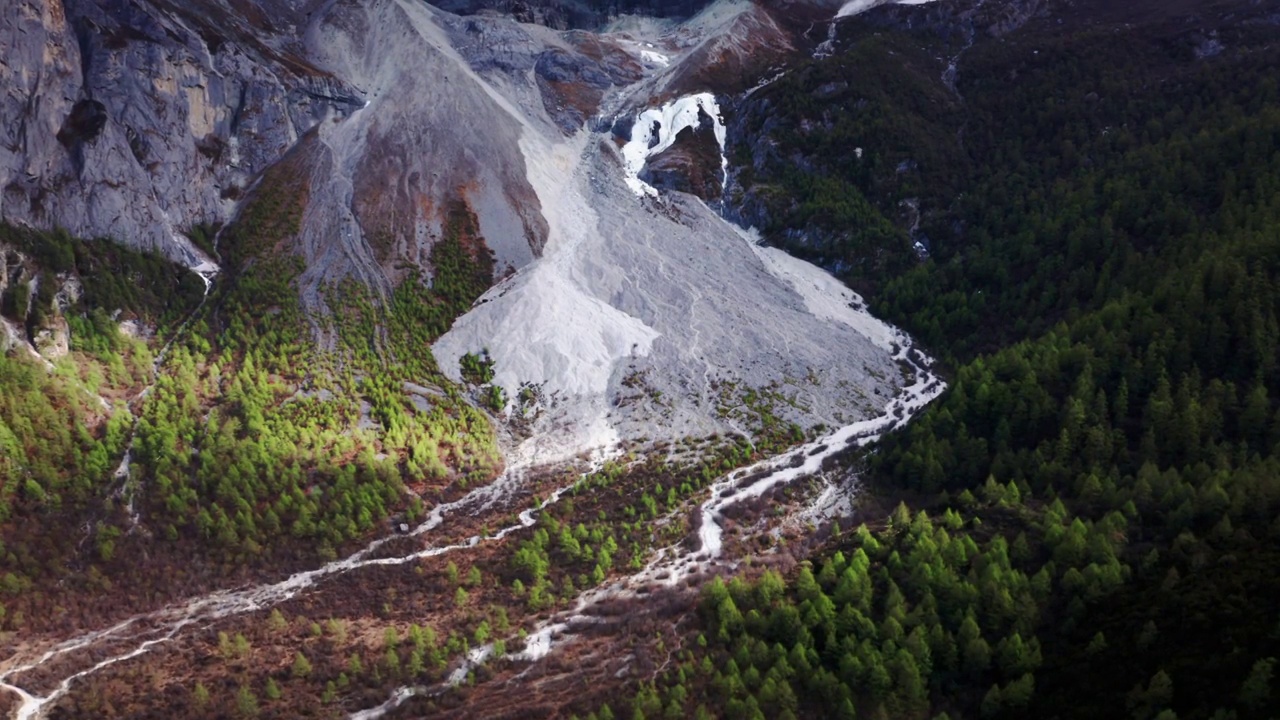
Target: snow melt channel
[(656, 129)]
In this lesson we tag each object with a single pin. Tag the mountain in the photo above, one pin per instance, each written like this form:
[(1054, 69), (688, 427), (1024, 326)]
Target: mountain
[(403, 124), (383, 358), (424, 271)]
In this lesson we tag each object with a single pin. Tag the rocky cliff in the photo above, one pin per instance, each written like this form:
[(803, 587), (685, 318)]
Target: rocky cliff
[(138, 121)]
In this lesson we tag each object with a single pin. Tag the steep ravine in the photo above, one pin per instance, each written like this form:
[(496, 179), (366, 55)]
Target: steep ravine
[(207, 271)]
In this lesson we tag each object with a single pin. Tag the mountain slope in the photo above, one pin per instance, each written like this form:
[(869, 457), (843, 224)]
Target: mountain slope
[(478, 403), (136, 122), (407, 160)]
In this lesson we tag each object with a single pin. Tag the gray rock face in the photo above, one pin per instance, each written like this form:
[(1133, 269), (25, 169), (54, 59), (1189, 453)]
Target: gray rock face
[(491, 44), (9, 268), (9, 336), (40, 81), (573, 84), (435, 135), (135, 122), (573, 70), (53, 340)]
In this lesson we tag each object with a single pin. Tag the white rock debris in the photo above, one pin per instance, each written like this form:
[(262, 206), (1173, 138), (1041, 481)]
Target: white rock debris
[(636, 317)]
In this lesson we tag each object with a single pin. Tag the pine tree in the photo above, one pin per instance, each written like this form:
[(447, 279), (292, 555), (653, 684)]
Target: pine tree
[(277, 622), (200, 696), (1255, 693), (246, 702), (977, 656), (992, 702), (301, 666), (1097, 644), (1017, 694), (1148, 636)]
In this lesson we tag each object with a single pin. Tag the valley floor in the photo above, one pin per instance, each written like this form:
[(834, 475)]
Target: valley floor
[(402, 582)]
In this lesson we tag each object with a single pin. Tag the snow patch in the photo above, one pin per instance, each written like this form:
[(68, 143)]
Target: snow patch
[(667, 121), (655, 58), (856, 7), (207, 270)]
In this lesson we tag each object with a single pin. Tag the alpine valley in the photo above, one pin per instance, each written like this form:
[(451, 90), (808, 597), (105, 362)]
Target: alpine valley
[(639, 358)]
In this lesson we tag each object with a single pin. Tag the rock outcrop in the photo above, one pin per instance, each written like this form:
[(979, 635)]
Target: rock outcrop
[(138, 121), (34, 305), (571, 14)]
